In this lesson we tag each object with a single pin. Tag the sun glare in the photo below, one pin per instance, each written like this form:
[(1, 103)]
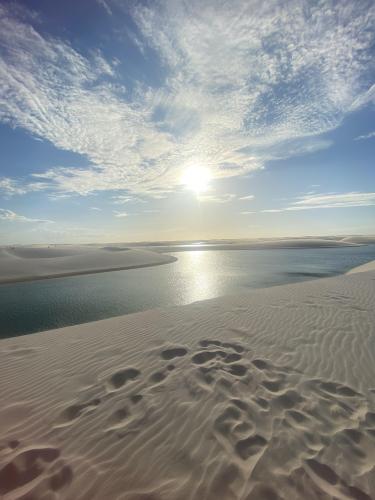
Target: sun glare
[(196, 178)]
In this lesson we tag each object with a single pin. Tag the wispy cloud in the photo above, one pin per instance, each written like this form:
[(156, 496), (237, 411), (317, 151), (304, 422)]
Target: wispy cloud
[(10, 216), (217, 198), (120, 214), (11, 187), (244, 82), (105, 6), (366, 136), (331, 200), (122, 199), (223, 197), (126, 214)]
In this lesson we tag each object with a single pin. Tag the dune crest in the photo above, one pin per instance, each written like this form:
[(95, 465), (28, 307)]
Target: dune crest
[(369, 266), (42, 262), (269, 395)]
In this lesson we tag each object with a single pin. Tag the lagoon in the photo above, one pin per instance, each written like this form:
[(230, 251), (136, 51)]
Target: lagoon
[(196, 275)]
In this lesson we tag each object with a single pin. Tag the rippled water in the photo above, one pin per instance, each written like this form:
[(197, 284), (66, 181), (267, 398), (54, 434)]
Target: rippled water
[(197, 275)]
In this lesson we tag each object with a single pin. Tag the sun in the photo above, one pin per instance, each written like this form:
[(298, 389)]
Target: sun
[(196, 178)]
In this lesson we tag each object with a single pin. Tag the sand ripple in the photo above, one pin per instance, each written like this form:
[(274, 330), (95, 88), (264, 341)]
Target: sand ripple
[(265, 396)]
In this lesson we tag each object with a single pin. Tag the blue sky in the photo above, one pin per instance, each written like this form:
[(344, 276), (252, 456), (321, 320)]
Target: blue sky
[(108, 106)]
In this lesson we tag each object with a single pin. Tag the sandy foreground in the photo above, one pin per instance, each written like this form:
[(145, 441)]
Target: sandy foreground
[(269, 395), (41, 262)]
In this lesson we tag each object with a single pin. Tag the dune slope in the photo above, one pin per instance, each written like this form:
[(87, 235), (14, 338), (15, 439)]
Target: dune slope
[(269, 395), (41, 262), (369, 266)]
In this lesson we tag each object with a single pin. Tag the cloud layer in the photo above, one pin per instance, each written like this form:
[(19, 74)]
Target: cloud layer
[(243, 82), (10, 216), (332, 200)]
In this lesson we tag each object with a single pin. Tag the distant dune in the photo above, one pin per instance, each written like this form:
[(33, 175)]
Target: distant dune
[(363, 240), (258, 244), (268, 395), (24, 263), (41, 262)]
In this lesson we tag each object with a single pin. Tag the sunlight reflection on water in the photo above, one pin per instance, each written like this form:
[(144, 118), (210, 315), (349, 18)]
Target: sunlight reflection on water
[(196, 275), (204, 282)]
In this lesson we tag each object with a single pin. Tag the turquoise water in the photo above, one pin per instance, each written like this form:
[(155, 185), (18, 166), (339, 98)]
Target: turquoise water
[(197, 275)]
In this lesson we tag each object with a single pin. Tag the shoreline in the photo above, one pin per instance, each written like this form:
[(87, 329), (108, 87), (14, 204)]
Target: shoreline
[(173, 402), (369, 266), (70, 259), (26, 264), (82, 273)]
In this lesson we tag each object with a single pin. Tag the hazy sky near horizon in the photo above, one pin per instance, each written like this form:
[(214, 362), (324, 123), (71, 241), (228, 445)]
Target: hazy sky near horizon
[(162, 120)]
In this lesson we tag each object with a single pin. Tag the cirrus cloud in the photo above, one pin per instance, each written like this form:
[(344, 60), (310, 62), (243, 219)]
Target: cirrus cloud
[(10, 216), (243, 82), (330, 200)]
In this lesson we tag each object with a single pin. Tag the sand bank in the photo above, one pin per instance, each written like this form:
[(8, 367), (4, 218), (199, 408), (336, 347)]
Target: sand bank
[(269, 395), (369, 266), (256, 244), (41, 262)]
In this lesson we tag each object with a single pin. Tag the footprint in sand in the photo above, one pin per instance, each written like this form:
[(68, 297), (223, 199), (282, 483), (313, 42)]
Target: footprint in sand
[(330, 482), (338, 389), (158, 377), (220, 365), (73, 412), (30, 467), (119, 419), (261, 364), (136, 398), (246, 448), (204, 356), (217, 343), (271, 406), (219, 357), (174, 352), (235, 429), (167, 354), (125, 414), (122, 377)]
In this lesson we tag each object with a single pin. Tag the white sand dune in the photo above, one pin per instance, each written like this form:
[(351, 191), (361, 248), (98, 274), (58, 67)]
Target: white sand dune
[(370, 266), (269, 395), (41, 262), (258, 244), (361, 240)]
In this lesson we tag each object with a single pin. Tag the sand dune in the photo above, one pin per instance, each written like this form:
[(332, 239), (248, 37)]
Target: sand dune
[(256, 244), (40, 262), (369, 266), (361, 240), (269, 395)]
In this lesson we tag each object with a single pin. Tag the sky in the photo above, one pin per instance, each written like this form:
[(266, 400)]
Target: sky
[(126, 120)]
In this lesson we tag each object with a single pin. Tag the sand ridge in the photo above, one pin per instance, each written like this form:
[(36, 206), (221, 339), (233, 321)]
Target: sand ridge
[(259, 244), (42, 262), (369, 266), (269, 395)]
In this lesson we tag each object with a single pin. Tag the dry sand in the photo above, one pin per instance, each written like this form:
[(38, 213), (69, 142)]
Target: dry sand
[(269, 395), (41, 262), (369, 266)]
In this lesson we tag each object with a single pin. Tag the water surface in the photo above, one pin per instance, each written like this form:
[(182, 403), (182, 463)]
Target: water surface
[(196, 275)]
